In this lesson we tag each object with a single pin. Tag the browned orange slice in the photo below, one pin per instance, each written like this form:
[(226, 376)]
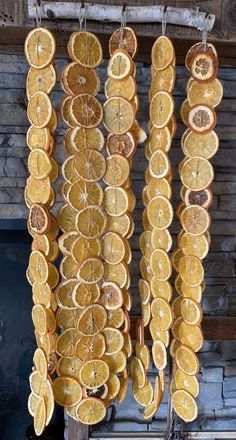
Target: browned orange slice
[(79, 79), (122, 144), (202, 198), (39, 219), (123, 38), (201, 118), (204, 66), (86, 110)]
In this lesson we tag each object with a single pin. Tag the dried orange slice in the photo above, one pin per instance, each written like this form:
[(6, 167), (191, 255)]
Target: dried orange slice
[(114, 340), (86, 49), (125, 88), (68, 367), (159, 355), (38, 267), (41, 294), (92, 320), (113, 249), (90, 165), (40, 363), (202, 118), (121, 225), (196, 173), (66, 343), (185, 382), (39, 110), (160, 264), (90, 271), (94, 373), (144, 395), (66, 111), (137, 372), (90, 411), (40, 416), (82, 194), (204, 66), (86, 110), (91, 222), (116, 273), (68, 171), (161, 109), (84, 248), (145, 269), (162, 80), (202, 198), (184, 405), (40, 80), (161, 239), (78, 79), (201, 145), (162, 53), (196, 245), (111, 296), (117, 170), (159, 212), (159, 164), (40, 47), (191, 336), (158, 334), (118, 115), (116, 319), (138, 133), (67, 391), (196, 48), (124, 38), (161, 289), (40, 318), (66, 218), (39, 163), (187, 360), (191, 270), (83, 138), (209, 93), (38, 138), (191, 311), (85, 294), (145, 243), (195, 219), (39, 219), (68, 268), (158, 187), (184, 111), (162, 313), (53, 122), (194, 293), (159, 138), (115, 201), (120, 65), (64, 293), (90, 347), (66, 241), (122, 144)]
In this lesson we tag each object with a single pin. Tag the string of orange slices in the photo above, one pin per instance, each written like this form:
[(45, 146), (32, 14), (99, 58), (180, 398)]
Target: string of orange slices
[(42, 273), (199, 144), (155, 242)]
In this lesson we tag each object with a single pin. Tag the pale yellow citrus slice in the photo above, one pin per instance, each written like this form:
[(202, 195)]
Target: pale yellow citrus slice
[(39, 110), (91, 222), (161, 109), (40, 47), (90, 165), (162, 313), (160, 212), (85, 48), (67, 391), (160, 264), (184, 405), (90, 411), (118, 115), (93, 373), (92, 320)]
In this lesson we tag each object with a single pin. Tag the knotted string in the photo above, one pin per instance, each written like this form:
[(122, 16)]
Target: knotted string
[(38, 15)]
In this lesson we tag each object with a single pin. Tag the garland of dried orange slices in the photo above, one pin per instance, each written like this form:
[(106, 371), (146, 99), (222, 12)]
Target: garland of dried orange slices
[(42, 274), (199, 144), (155, 242), (120, 110)]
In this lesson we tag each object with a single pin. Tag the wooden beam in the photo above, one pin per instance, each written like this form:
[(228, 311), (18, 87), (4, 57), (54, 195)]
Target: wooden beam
[(214, 328), (191, 435), (113, 13), (76, 430)]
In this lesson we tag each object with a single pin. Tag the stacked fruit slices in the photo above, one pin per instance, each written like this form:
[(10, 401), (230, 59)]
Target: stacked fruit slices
[(155, 242), (124, 133), (84, 381), (199, 144), (42, 225)]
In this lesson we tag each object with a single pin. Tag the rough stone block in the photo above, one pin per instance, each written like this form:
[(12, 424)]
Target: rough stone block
[(210, 396), (213, 374)]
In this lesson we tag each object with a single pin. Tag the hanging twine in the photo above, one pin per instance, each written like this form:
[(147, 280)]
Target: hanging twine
[(123, 22), (38, 17), (204, 32), (164, 20), (83, 16)]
